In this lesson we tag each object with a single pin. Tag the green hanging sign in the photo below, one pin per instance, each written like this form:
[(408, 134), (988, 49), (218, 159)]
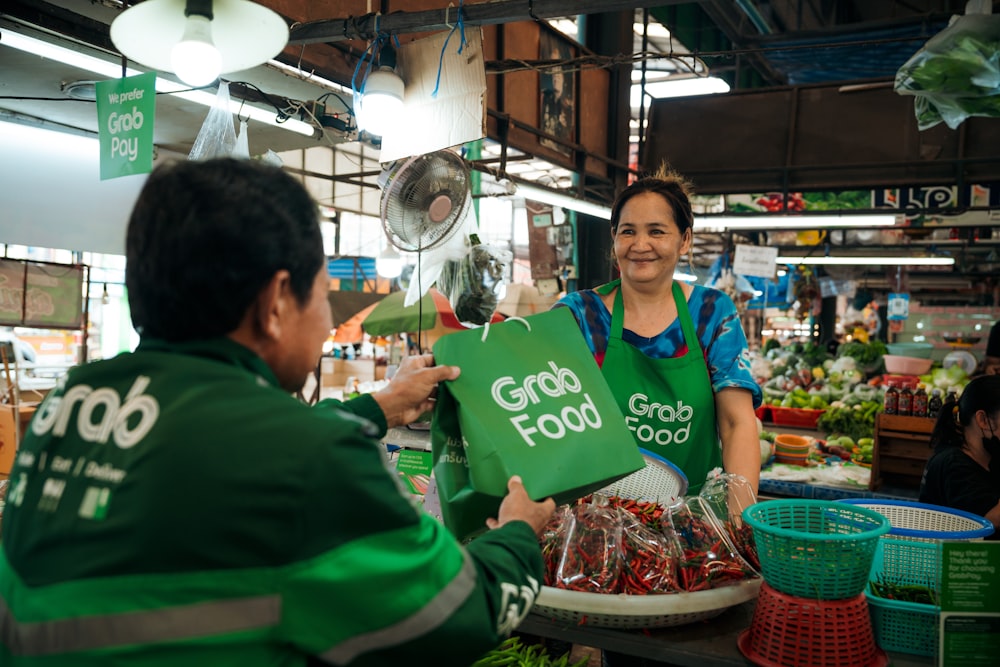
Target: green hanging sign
[(125, 109)]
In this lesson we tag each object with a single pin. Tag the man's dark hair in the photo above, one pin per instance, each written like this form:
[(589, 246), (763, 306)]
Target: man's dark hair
[(205, 237)]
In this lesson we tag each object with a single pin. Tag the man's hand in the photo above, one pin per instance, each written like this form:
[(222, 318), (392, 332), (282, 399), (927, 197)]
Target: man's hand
[(517, 506), (412, 390)]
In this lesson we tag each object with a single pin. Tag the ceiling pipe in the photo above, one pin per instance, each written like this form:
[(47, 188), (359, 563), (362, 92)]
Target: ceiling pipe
[(754, 15)]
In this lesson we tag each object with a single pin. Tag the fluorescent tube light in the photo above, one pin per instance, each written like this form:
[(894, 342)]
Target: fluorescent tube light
[(114, 70), (546, 196), (861, 260), (705, 223), (685, 277)]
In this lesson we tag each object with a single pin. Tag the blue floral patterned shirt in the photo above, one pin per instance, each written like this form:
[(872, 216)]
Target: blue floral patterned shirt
[(716, 322)]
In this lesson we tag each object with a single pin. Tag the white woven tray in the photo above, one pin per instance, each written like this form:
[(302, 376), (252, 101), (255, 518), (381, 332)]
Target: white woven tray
[(641, 611)]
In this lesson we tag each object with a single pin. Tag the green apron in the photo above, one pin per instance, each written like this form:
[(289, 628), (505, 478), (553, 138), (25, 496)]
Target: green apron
[(668, 404)]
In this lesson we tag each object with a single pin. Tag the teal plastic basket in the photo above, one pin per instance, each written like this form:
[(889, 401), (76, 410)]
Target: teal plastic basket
[(815, 548), (901, 626)]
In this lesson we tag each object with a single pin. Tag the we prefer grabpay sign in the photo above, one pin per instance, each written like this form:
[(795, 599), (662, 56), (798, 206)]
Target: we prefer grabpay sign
[(125, 109)]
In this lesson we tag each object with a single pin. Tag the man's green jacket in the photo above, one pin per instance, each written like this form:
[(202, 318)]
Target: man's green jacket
[(174, 506)]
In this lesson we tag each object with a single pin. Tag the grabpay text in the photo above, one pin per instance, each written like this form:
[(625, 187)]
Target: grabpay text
[(516, 397), (125, 122)]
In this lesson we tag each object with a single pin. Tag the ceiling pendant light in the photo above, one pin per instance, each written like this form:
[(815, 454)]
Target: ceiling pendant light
[(381, 95), (194, 59), (199, 40)]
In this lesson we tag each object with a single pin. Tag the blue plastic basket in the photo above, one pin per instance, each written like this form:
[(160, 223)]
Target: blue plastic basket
[(922, 521), (906, 627)]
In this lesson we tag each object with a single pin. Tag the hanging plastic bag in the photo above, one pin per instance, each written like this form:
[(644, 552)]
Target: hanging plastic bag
[(217, 136), (472, 284), (727, 495), (242, 148), (956, 74), (590, 551)]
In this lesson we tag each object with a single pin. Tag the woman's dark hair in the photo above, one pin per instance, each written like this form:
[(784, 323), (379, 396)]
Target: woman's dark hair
[(205, 237), (982, 393), (670, 185)]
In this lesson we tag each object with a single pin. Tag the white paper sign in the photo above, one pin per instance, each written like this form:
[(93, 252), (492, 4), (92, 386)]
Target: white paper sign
[(751, 260)]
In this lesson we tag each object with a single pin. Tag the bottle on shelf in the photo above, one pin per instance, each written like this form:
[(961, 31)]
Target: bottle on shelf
[(891, 405), (920, 401), (952, 396), (904, 407), (934, 404)]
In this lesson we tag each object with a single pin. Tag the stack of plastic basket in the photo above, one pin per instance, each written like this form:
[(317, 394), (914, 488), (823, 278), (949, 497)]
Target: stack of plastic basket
[(816, 557), (910, 555)]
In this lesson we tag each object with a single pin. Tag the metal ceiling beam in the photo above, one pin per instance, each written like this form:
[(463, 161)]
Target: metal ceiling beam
[(484, 13)]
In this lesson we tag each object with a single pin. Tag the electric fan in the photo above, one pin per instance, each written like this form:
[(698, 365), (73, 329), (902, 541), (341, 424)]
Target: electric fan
[(425, 199)]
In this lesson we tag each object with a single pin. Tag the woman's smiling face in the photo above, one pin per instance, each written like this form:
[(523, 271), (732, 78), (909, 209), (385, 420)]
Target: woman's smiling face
[(648, 244)]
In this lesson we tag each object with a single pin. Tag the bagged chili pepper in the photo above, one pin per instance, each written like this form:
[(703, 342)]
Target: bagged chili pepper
[(649, 558), (708, 557), (590, 550), (727, 495), (551, 539), (648, 513)]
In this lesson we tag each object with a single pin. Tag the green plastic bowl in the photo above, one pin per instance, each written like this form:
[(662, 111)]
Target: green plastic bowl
[(920, 350)]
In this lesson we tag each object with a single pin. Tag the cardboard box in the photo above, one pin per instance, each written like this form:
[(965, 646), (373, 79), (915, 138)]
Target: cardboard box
[(10, 435)]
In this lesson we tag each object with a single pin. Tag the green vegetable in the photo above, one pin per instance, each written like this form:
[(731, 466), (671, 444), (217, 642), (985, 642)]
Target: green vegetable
[(516, 653), (856, 421), (904, 592)]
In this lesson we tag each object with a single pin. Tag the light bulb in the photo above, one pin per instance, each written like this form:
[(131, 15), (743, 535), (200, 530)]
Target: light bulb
[(194, 58), (389, 264), (381, 102)]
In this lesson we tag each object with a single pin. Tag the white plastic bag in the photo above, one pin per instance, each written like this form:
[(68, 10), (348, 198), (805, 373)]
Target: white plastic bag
[(217, 136)]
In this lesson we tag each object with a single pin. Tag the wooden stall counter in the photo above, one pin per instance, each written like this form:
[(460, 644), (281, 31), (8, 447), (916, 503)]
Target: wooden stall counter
[(902, 447), (12, 430)]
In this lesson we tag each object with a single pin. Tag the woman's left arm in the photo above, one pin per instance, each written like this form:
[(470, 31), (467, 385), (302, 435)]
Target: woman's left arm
[(738, 432)]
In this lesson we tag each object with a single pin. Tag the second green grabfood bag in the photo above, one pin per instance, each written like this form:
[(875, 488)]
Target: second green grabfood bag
[(531, 401)]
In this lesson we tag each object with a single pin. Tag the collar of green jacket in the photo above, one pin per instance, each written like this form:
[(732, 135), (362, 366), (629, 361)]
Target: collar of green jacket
[(221, 348)]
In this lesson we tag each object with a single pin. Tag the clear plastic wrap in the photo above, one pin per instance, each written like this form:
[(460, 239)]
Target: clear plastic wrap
[(708, 557), (472, 284), (649, 557), (217, 136), (727, 495), (590, 555), (956, 74)]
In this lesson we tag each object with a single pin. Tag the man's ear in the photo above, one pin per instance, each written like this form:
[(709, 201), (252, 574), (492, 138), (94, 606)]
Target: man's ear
[(272, 305)]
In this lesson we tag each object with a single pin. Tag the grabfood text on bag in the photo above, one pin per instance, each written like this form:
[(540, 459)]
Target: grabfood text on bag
[(516, 397)]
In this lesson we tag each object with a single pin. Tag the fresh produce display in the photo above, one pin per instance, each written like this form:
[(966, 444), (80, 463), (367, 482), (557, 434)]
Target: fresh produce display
[(856, 421), (805, 379), (621, 545), (884, 588), (514, 652)]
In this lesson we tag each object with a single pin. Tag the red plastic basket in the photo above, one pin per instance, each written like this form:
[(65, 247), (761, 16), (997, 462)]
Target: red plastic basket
[(800, 417), (789, 631)]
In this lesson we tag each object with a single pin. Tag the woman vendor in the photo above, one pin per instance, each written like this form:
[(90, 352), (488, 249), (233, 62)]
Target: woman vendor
[(964, 470), (674, 354)]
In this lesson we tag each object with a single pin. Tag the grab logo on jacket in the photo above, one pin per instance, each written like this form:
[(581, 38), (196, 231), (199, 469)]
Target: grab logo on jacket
[(515, 603), (103, 415), (660, 423)]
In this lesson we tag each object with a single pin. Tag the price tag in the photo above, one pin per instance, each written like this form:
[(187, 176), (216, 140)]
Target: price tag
[(751, 260)]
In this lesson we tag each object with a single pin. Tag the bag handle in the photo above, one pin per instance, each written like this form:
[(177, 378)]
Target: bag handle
[(486, 327)]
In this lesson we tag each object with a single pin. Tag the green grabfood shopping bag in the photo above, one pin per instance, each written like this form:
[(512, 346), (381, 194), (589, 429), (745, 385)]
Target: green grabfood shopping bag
[(530, 401)]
